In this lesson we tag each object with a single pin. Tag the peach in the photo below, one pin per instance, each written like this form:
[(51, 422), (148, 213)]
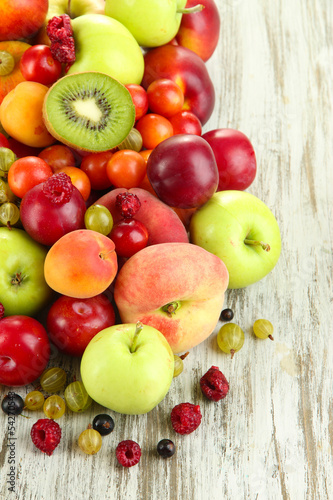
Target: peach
[(81, 264), (174, 287), (21, 115), (162, 222)]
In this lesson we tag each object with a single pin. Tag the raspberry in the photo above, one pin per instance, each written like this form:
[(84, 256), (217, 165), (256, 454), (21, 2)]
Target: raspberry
[(128, 453), (58, 188), (214, 385), (185, 418), (60, 33), (2, 311), (128, 204), (46, 435)]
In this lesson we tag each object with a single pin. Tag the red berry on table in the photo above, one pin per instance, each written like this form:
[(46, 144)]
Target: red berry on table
[(214, 385), (128, 453), (46, 435), (186, 418)]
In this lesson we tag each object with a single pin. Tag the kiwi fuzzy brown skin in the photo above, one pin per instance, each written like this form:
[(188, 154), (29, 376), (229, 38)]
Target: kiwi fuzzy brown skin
[(122, 107)]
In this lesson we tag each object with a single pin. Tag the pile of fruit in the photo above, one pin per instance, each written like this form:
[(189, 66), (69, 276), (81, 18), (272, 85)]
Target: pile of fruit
[(122, 223)]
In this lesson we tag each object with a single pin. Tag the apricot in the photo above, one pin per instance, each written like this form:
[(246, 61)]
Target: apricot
[(81, 264), (22, 117)]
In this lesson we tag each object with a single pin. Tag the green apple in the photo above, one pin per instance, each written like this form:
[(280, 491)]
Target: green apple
[(128, 368), (103, 44), (75, 8), (23, 289), (151, 22), (241, 230)]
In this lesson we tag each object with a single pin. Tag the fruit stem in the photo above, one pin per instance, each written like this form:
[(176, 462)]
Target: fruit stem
[(183, 356), (69, 8), (191, 10), (232, 352), (138, 328), (264, 246), (103, 255), (171, 308), (271, 337), (7, 63)]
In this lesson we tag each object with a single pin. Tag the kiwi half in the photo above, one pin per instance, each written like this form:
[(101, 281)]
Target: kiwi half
[(90, 111)]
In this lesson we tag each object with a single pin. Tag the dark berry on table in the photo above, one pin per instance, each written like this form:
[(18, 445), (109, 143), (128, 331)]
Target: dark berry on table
[(2, 311), (166, 448), (103, 423), (46, 435), (214, 385), (58, 188), (12, 404), (227, 315), (128, 453), (185, 418), (128, 204)]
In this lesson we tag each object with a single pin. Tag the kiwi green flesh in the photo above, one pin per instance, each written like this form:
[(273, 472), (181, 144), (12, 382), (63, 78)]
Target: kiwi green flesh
[(90, 111)]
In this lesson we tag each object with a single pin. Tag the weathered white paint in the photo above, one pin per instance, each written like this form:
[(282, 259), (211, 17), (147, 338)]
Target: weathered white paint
[(272, 437)]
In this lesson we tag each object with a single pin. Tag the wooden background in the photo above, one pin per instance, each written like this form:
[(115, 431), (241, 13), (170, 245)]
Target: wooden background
[(272, 437)]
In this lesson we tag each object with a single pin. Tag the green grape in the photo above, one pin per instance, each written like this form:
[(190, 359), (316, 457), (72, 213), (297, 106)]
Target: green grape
[(53, 379), (133, 141), (98, 218), (76, 397), (263, 329), (34, 400), (178, 366), (7, 158), (54, 407), (90, 441), (230, 338), (9, 214)]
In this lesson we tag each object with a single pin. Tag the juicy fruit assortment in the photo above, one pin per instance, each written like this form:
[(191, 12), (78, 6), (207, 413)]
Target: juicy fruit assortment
[(123, 222)]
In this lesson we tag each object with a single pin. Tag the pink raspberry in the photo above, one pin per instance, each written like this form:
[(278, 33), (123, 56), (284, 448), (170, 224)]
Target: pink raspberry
[(46, 435), (128, 453), (58, 188), (128, 204), (185, 418), (214, 385)]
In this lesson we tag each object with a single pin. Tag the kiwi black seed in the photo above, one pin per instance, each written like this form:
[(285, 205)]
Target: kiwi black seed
[(90, 111)]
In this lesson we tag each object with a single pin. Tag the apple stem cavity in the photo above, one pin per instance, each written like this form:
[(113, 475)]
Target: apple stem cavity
[(191, 10), (264, 246), (138, 328), (171, 308), (17, 279)]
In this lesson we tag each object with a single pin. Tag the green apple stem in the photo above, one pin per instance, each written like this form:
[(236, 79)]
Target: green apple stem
[(171, 308), (138, 328), (69, 8), (7, 63), (191, 10), (264, 246)]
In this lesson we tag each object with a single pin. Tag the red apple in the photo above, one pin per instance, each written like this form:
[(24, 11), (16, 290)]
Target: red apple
[(24, 350), (21, 18), (72, 323), (188, 70), (200, 31), (235, 158)]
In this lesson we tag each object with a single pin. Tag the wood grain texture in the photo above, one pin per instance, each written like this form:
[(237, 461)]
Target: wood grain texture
[(272, 437)]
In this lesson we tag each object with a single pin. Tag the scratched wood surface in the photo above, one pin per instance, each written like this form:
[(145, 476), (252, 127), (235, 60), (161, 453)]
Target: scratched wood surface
[(272, 437)]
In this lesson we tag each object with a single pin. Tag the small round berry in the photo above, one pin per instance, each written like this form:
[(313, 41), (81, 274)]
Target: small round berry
[(128, 453), (46, 435), (103, 423), (90, 441), (12, 404), (214, 385), (128, 204), (185, 418), (58, 188), (227, 315), (166, 448)]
